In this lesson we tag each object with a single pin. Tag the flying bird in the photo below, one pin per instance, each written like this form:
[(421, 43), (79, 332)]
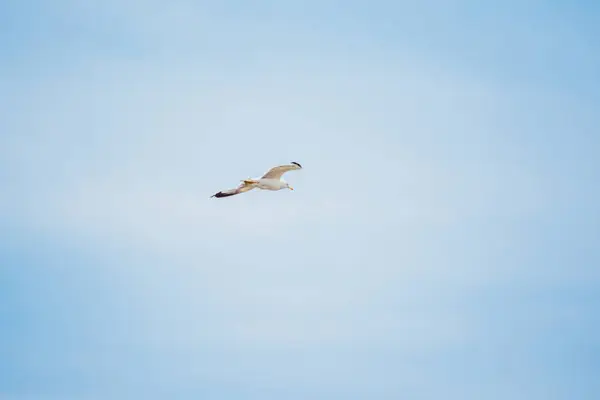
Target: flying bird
[(271, 180)]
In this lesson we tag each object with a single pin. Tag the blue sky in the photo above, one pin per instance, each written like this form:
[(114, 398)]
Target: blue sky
[(442, 240)]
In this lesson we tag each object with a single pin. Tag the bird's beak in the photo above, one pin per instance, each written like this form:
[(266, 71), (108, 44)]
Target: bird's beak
[(291, 188)]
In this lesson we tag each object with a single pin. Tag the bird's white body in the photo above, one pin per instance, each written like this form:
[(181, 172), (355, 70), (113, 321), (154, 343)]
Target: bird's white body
[(271, 184), (271, 180)]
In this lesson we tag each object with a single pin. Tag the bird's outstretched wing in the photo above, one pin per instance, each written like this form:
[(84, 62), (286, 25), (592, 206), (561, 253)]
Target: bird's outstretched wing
[(245, 186), (277, 172)]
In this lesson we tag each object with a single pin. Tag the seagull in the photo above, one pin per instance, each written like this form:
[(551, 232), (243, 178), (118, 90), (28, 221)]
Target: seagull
[(271, 180)]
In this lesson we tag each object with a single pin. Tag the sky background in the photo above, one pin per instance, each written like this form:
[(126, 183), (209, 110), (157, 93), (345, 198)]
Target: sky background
[(443, 240)]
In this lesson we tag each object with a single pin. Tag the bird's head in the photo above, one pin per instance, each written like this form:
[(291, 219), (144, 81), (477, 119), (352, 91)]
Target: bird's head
[(287, 185)]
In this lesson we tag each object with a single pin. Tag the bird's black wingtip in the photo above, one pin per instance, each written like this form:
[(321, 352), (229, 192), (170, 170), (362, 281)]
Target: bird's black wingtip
[(295, 163), (221, 194)]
